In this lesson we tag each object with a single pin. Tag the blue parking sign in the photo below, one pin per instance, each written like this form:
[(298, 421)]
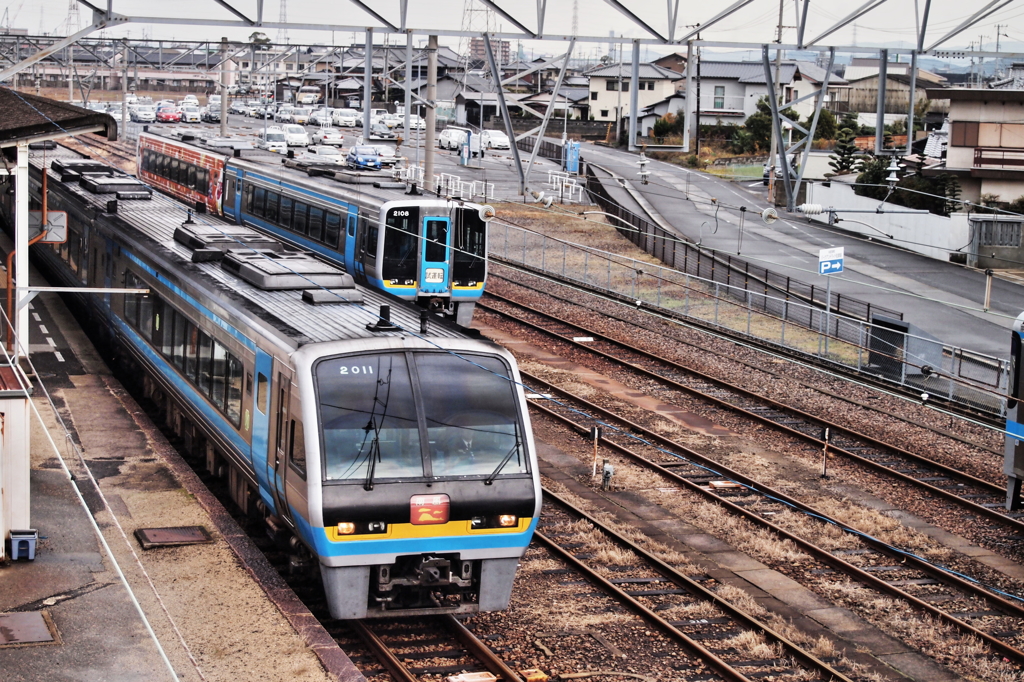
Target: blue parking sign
[(830, 261)]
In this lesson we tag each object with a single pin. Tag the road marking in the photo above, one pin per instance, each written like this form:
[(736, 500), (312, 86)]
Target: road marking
[(50, 341), (60, 358), (42, 328), (35, 316)]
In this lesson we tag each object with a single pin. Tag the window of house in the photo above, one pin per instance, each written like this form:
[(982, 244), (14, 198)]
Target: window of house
[(611, 84), (719, 97), (964, 134), (593, 95), (604, 113)]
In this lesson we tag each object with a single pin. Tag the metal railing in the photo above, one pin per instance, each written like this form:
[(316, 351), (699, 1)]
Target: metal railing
[(998, 157), (970, 379)]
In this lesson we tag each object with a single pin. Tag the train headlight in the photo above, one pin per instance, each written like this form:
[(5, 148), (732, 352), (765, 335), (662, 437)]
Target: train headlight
[(346, 528), (507, 520)]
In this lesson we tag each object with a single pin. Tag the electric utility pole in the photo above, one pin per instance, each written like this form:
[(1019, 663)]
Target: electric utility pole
[(774, 92)]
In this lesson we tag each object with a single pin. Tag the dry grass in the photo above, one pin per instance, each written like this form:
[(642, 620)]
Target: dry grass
[(754, 644)]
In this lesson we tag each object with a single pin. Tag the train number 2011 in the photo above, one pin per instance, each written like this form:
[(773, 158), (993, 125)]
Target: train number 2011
[(356, 369)]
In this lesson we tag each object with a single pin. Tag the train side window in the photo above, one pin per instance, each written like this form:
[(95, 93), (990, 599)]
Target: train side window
[(205, 369), (235, 375), (1016, 370), (191, 180), (229, 192), (371, 239), (297, 448), (259, 196), (191, 352), (316, 223), (219, 370), (351, 225), (261, 392), (74, 250), (282, 411), (286, 212), (146, 315), (131, 301), (247, 197), (271, 210), (181, 325), (202, 180), (333, 230), (172, 170), (164, 168), (163, 327), (299, 218)]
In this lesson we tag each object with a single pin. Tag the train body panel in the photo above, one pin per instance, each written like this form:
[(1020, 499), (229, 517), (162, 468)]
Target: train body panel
[(429, 509), (437, 256), (1013, 461)]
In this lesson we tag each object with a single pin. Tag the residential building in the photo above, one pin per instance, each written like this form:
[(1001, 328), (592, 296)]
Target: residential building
[(650, 114), (674, 62), (862, 95), (502, 50), (655, 83), (729, 91)]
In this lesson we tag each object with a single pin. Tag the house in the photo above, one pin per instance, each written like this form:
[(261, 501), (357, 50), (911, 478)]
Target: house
[(571, 102), (674, 62), (650, 114), (986, 141), (862, 96), (729, 91), (655, 83), (861, 67)]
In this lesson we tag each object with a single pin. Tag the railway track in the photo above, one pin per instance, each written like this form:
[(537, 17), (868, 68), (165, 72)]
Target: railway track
[(649, 587), (972, 494), (997, 621)]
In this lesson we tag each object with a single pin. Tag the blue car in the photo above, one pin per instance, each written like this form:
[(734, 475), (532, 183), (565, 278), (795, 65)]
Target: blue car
[(363, 156)]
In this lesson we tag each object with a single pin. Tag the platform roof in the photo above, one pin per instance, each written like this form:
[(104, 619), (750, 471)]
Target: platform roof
[(31, 118)]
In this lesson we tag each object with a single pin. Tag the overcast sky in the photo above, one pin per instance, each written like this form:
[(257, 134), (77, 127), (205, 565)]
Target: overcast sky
[(893, 23)]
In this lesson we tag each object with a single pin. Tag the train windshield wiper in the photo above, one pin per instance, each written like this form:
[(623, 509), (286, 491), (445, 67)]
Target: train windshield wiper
[(501, 465)]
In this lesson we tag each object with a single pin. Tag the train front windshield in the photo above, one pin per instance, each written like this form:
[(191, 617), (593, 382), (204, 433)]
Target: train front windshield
[(469, 245), (401, 228), (415, 415)]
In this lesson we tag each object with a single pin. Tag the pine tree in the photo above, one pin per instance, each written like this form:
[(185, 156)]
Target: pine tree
[(952, 193), (845, 156)]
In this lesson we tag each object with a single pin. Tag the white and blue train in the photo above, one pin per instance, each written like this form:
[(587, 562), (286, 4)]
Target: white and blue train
[(429, 250), (400, 457), (1013, 464)]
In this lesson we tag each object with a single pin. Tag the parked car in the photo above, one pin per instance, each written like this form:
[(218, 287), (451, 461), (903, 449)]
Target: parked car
[(379, 131), (191, 114), (143, 114), (363, 156), (284, 115), (328, 135), (495, 139), (190, 99), (213, 101), (323, 153), (295, 135), (272, 139), (393, 120), (453, 138), (301, 115), (321, 117), (345, 117), (417, 122), (387, 154), (168, 115), (238, 108), (210, 114)]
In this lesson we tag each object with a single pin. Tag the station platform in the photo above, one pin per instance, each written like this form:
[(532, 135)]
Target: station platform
[(94, 604)]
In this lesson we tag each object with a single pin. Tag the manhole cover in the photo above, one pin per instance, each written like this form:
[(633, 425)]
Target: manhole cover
[(20, 629), (169, 537)]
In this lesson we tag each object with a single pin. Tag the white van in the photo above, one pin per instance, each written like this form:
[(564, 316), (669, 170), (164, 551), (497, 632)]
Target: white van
[(453, 138), (346, 118)]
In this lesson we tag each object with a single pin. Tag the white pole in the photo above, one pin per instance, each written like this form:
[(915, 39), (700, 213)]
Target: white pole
[(21, 257)]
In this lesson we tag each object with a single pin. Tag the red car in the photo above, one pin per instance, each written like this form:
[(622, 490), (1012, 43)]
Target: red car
[(168, 115)]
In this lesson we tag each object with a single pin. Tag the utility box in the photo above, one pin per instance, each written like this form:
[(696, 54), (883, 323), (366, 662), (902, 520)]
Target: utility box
[(15, 392), (571, 157)]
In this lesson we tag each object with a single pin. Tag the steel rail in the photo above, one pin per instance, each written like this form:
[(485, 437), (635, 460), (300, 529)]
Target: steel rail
[(713, 661), (973, 507), (688, 583), (479, 650), (812, 549), (395, 668)]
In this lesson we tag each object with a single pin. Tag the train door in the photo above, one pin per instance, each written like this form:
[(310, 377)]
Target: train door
[(290, 453), (260, 448), (350, 243), (435, 273), (232, 201)]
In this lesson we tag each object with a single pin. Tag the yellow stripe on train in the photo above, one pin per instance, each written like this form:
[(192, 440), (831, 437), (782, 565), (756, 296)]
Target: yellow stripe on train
[(403, 531)]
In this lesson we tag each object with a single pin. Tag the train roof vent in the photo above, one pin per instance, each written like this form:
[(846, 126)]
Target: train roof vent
[(79, 166), (346, 294), (270, 270), (107, 184), (206, 238)]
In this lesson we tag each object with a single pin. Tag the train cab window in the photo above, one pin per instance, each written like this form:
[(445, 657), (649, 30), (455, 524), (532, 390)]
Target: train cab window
[(436, 240), (261, 392), (400, 243), (259, 196), (299, 218), (205, 368), (367, 408), (332, 230), (219, 369), (297, 448), (270, 212), (470, 433), (316, 223), (285, 219), (469, 252)]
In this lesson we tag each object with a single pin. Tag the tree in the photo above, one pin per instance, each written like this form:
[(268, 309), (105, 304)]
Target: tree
[(873, 171), (260, 40), (759, 124), (851, 121), (952, 186), (827, 128), (845, 157), (664, 126)]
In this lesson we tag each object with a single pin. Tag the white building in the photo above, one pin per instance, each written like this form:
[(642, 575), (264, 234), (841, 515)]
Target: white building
[(655, 83)]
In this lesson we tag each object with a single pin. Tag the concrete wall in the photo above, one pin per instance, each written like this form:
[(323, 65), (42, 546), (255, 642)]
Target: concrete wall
[(925, 233)]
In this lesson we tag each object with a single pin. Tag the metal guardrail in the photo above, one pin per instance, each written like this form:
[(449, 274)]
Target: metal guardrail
[(548, 149)]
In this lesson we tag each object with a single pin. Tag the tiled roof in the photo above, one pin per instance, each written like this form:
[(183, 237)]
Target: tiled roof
[(646, 71), (26, 116)]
